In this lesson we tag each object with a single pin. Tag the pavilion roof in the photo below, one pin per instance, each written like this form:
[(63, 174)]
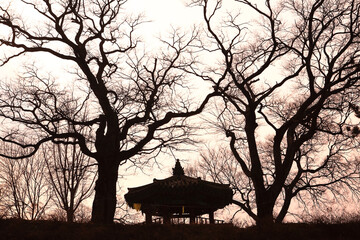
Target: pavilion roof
[(181, 190)]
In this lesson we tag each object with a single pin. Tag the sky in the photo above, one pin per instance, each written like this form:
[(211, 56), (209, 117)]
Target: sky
[(162, 16), (165, 14)]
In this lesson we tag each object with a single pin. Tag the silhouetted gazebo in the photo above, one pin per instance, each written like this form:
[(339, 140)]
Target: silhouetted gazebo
[(179, 196)]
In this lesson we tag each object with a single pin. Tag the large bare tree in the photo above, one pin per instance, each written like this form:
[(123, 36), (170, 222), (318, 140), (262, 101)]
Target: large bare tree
[(292, 71), (135, 103)]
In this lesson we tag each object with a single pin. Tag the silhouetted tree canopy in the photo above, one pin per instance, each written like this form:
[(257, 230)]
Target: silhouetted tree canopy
[(283, 85), (285, 101), (127, 101)]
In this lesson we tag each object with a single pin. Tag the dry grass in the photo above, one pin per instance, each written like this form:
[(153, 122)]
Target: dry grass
[(19, 229)]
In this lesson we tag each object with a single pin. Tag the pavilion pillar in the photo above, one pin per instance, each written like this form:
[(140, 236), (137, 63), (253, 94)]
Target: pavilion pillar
[(211, 217), (166, 218), (148, 218), (192, 218)]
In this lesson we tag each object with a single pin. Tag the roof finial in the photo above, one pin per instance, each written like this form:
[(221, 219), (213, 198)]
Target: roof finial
[(178, 170)]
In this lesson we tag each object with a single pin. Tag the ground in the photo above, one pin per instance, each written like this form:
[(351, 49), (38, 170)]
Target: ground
[(19, 229)]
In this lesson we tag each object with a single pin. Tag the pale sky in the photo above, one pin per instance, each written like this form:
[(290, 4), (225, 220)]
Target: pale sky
[(163, 15)]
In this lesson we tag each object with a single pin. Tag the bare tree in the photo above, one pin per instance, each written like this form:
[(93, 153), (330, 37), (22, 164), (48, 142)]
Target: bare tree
[(335, 183), (302, 107), (26, 192), (3, 209), (71, 176), (136, 103)]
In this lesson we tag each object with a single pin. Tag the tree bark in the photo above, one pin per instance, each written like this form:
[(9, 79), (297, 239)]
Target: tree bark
[(265, 207), (265, 219), (104, 204), (70, 216), (285, 206)]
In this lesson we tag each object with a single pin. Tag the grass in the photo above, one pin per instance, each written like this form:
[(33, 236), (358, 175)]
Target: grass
[(20, 229)]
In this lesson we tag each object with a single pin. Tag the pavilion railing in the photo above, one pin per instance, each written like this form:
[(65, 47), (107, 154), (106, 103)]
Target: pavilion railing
[(186, 220)]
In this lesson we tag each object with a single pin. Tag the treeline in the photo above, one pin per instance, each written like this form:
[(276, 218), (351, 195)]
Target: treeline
[(277, 88), (53, 184)]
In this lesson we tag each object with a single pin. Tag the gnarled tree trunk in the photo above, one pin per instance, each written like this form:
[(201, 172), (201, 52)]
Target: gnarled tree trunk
[(265, 213), (104, 204)]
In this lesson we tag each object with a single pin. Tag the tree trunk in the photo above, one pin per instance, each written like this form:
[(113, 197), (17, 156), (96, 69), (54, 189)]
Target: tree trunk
[(265, 219), (104, 204), (285, 206), (265, 207), (70, 216)]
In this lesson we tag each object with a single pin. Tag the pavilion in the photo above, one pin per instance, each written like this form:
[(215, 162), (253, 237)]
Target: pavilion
[(179, 196)]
